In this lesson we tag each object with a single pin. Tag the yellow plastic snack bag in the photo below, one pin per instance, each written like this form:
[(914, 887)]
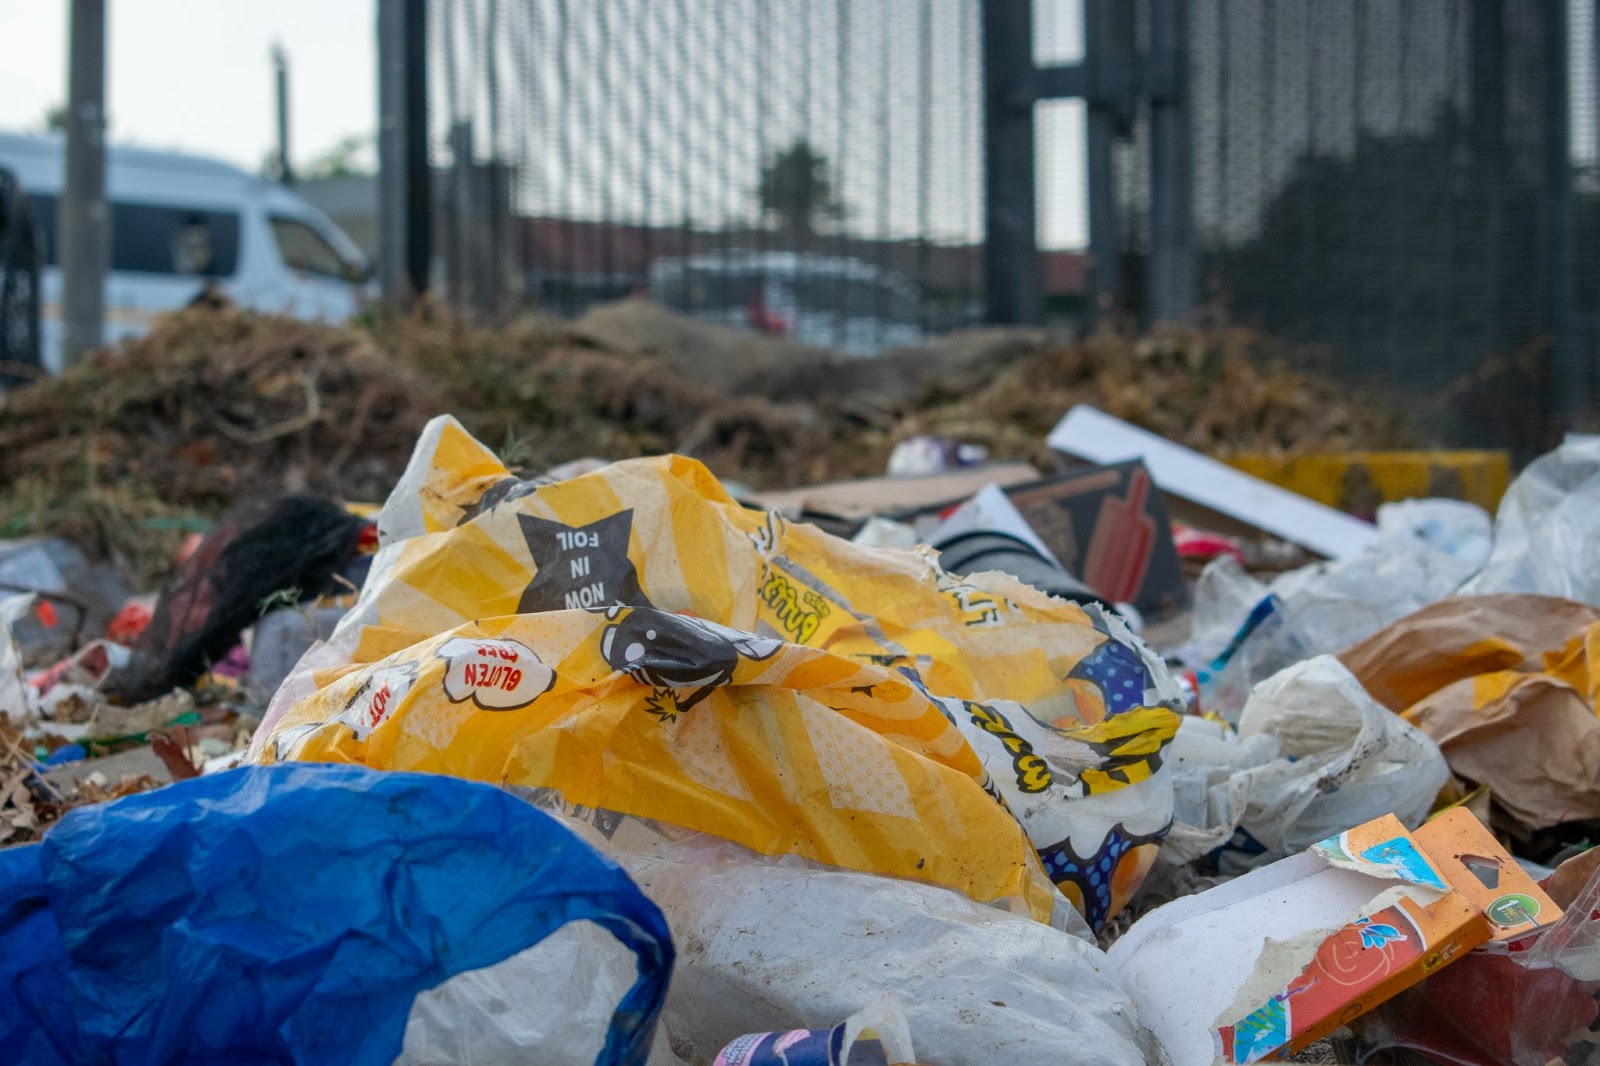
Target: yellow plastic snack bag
[(640, 642)]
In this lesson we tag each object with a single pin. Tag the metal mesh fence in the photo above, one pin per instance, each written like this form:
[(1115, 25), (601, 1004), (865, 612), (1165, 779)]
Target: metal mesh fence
[(1407, 187), (1388, 179), (803, 167)]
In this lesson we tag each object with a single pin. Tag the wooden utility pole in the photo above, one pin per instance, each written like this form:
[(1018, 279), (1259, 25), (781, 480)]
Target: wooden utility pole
[(280, 64)]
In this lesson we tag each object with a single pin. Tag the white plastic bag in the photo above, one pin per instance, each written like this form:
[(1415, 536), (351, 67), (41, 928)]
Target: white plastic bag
[(1211, 792), (1393, 577), (15, 695), (1245, 632), (1345, 759), (1223, 598), (550, 1004), (16, 700), (1314, 755), (773, 944), (1545, 538), (1454, 527)]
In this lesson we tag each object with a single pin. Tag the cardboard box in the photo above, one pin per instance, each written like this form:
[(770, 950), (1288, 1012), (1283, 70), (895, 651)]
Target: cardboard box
[(893, 496), (1273, 961), (1216, 489), (1109, 527)]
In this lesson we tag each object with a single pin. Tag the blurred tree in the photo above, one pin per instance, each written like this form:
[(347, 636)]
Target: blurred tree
[(55, 117), (1388, 252), (343, 160), (797, 187), (1417, 259)]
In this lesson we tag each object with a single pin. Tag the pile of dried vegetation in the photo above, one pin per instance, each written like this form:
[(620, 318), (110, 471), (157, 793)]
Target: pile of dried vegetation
[(1222, 391), (217, 405)]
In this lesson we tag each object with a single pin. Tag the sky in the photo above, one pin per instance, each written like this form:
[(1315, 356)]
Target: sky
[(197, 74)]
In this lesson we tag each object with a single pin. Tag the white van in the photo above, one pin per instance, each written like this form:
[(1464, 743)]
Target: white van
[(180, 223)]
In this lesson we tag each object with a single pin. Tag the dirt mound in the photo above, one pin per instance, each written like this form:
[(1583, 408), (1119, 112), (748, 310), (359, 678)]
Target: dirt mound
[(545, 391), (747, 364), (738, 361)]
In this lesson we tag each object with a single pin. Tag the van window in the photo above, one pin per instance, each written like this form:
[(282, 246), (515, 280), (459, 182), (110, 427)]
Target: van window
[(156, 238), (306, 250)]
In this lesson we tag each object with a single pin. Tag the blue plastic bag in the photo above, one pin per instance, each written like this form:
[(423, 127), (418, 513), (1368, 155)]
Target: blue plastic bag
[(291, 914)]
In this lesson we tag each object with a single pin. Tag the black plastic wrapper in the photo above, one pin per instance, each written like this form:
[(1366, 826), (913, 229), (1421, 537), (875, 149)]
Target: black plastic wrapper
[(265, 553)]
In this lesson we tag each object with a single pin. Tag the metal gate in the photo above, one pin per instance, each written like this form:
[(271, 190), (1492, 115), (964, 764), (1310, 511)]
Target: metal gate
[(802, 167)]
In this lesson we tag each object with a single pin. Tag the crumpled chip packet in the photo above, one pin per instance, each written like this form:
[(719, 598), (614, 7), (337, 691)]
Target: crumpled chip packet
[(639, 641)]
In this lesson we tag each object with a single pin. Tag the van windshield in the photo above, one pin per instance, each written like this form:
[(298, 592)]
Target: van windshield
[(306, 250), (156, 238)]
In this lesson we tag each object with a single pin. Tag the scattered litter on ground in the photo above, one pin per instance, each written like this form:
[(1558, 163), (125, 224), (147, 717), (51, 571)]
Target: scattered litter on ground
[(977, 713), (280, 552), (989, 533), (1245, 630), (1313, 754), (1110, 526)]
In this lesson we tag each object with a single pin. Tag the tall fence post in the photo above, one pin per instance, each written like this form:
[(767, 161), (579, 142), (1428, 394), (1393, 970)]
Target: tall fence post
[(1488, 111), (1568, 382), (1172, 264), (1111, 80), (1108, 65), (405, 201), (84, 218), (1013, 287)]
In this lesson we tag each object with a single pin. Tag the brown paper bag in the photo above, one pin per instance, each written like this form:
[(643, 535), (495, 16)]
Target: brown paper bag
[(1505, 685)]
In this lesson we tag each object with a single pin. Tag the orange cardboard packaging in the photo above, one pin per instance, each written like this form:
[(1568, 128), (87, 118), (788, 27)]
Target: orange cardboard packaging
[(1266, 964)]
